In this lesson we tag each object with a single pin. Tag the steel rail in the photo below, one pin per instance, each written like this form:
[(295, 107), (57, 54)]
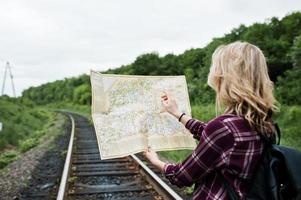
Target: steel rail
[(158, 184), (64, 180)]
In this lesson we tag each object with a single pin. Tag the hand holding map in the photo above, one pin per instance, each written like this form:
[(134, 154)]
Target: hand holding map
[(128, 114)]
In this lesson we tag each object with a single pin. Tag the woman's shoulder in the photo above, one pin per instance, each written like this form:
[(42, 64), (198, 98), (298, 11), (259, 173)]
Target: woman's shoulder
[(235, 125), (218, 133), (226, 118), (218, 124), (232, 122)]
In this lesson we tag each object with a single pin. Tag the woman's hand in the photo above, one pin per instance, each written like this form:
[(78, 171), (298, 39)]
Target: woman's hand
[(152, 156), (170, 105)]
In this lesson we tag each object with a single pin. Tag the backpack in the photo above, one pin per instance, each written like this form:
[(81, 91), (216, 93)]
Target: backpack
[(278, 175)]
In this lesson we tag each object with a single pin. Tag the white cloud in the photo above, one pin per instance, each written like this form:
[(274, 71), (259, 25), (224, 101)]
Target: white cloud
[(49, 40)]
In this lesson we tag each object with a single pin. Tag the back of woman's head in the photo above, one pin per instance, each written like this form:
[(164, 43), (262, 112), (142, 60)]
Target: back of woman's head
[(239, 75)]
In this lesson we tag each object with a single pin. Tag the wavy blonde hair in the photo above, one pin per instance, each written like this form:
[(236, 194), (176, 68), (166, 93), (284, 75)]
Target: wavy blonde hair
[(239, 75)]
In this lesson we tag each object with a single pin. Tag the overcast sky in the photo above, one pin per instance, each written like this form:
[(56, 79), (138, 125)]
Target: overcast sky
[(46, 40)]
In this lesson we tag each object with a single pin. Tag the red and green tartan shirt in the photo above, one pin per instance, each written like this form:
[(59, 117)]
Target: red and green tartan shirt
[(227, 147)]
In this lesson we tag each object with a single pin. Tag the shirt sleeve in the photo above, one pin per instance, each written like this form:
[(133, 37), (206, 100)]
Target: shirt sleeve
[(196, 127), (212, 151)]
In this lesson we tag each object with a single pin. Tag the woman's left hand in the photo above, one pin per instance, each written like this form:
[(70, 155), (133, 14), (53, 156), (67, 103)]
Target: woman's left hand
[(151, 155)]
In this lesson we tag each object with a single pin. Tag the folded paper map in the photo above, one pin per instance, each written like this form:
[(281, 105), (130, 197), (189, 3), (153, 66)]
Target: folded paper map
[(128, 114)]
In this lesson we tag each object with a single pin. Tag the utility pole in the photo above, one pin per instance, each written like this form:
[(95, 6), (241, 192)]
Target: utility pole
[(8, 70)]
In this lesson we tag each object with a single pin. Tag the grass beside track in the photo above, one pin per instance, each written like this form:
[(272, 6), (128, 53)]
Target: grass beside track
[(50, 127)]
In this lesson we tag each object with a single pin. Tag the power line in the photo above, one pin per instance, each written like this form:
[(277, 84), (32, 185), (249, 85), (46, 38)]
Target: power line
[(8, 70)]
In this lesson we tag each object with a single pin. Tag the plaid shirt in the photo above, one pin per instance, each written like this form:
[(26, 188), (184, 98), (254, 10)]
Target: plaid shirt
[(228, 147)]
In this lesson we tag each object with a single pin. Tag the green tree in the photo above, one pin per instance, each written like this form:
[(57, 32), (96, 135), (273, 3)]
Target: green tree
[(288, 87), (82, 95), (275, 37)]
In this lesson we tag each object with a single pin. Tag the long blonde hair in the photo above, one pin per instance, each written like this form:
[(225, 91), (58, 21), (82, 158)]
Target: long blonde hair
[(239, 75)]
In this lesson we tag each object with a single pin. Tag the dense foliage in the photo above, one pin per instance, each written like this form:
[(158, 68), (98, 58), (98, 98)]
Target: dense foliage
[(275, 37), (76, 90), (24, 126), (20, 122), (289, 85)]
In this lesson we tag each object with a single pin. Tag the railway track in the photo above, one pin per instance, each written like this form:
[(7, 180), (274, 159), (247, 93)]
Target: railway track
[(86, 176)]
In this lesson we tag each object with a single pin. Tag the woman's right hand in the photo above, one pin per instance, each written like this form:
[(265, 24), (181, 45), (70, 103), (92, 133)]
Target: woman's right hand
[(170, 105)]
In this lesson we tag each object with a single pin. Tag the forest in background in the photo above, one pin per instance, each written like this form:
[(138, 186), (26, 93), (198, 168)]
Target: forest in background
[(280, 40)]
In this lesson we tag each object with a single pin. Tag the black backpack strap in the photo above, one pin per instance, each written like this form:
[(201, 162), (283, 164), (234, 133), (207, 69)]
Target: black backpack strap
[(278, 133)]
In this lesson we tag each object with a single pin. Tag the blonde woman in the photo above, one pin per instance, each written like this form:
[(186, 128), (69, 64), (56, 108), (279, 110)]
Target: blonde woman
[(229, 145)]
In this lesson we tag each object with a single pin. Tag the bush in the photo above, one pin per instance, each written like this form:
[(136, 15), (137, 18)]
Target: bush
[(20, 121), (7, 157), (289, 121), (28, 144), (176, 156), (203, 112), (288, 89)]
